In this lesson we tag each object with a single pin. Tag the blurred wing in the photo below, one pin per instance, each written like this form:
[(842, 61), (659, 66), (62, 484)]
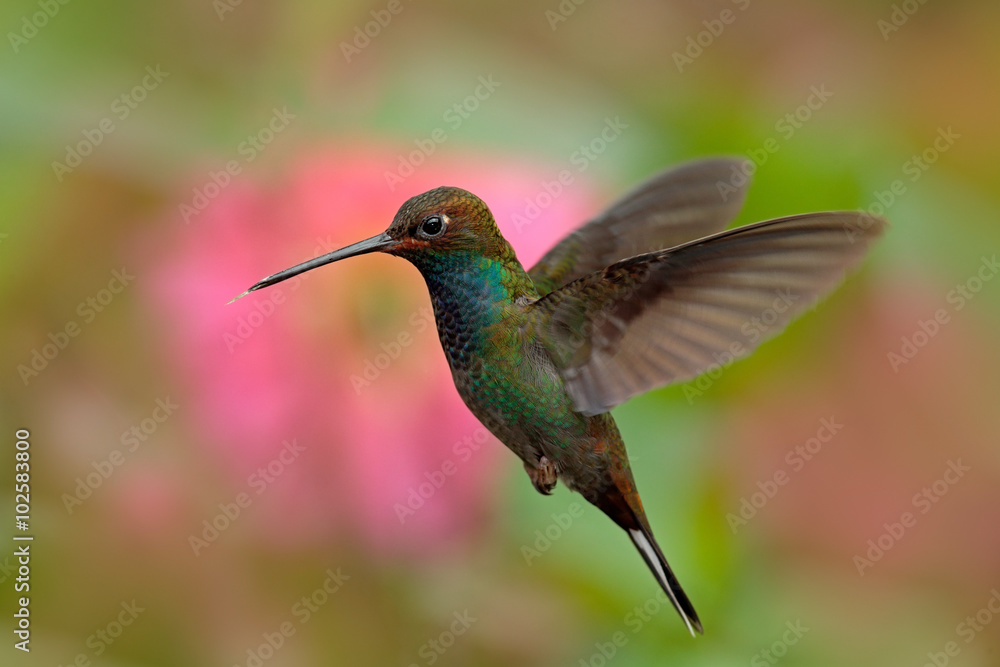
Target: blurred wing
[(673, 207), (667, 316)]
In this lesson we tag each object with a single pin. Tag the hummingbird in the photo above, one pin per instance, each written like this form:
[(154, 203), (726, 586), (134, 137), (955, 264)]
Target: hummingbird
[(650, 292)]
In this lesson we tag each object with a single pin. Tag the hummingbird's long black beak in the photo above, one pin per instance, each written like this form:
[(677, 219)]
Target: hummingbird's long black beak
[(374, 244)]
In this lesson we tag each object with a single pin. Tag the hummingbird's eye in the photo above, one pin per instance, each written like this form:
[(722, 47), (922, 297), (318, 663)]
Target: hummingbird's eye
[(432, 226)]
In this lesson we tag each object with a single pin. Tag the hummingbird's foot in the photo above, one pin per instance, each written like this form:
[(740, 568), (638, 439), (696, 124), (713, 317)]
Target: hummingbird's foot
[(543, 477)]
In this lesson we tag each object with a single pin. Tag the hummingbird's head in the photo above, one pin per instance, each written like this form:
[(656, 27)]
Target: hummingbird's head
[(432, 230), (443, 222)]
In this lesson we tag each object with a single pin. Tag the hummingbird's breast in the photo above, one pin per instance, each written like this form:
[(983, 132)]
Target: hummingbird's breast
[(503, 374)]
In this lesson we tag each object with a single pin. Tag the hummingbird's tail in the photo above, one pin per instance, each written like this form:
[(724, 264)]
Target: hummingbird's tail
[(625, 509), (650, 550)]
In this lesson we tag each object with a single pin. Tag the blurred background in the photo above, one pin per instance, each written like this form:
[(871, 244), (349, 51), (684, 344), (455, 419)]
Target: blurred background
[(292, 479)]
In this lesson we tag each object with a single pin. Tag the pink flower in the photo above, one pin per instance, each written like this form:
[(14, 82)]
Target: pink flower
[(328, 398)]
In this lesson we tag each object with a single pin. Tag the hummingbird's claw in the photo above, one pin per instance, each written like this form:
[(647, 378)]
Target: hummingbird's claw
[(544, 477)]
